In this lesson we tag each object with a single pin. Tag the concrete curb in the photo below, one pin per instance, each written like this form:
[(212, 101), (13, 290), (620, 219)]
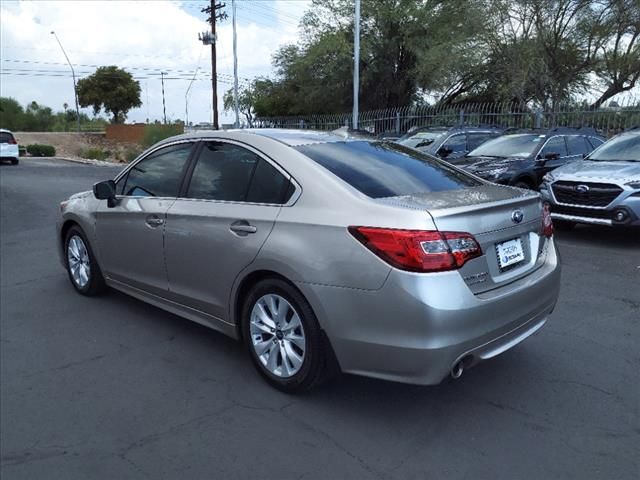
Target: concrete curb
[(86, 161)]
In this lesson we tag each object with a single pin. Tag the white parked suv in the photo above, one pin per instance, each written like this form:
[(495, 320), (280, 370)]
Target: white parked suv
[(8, 147)]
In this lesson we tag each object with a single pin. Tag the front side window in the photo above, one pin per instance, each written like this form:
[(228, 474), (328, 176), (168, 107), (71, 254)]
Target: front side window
[(232, 173), (157, 175), (555, 145), (381, 169), (454, 145)]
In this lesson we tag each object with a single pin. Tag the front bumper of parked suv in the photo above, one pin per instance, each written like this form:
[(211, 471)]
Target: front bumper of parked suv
[(607, 203)]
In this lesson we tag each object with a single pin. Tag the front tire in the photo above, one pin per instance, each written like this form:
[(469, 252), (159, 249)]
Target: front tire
[(82, 267), (283, 336)]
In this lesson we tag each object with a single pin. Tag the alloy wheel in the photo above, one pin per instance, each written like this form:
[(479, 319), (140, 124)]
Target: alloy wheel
[(277, 335), (79, 261)]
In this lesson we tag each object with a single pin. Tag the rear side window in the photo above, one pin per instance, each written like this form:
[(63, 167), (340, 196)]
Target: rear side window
[(232, 173), (223, 172), (578, 145), (158, 175), (268, 185), (6, 137), (381, 169)]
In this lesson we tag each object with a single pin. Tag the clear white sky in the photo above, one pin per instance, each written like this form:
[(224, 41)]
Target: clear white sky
[(145, 37)]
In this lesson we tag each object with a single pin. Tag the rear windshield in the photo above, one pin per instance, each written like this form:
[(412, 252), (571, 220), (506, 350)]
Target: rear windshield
[(382, 169), (6, 137)]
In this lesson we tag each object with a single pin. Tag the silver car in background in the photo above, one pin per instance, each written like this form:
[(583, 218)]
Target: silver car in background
[(602, 189), (320, 250)]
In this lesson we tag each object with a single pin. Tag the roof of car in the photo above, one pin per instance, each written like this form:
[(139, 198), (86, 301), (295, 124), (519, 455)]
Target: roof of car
[(589, 131), (461, 128), (5, 130), (289, 137)]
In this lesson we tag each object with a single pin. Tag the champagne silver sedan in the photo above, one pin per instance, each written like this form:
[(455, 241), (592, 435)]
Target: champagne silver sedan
[(320, 250)]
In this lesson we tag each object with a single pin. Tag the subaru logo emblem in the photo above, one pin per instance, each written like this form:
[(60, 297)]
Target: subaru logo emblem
[(582, 188), (517, 216)]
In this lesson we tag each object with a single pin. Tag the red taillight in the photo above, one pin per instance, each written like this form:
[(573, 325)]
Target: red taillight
[(419, 250), (12, 141), (547, 224)]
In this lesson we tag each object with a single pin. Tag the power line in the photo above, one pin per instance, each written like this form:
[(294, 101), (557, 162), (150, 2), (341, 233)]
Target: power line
[(149, 70)]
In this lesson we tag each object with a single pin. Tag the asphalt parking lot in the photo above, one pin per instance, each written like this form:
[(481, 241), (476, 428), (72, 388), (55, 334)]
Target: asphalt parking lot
[(110, 387)]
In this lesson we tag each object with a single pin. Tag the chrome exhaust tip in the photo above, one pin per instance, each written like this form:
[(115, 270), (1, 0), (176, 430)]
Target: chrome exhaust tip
[(457, 369)]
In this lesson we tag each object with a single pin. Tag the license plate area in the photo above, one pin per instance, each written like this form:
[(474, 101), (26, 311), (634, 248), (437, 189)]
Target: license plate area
[(509, 253)]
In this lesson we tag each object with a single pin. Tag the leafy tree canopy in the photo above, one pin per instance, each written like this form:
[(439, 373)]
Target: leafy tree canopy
[(112, 89), (416, 51)]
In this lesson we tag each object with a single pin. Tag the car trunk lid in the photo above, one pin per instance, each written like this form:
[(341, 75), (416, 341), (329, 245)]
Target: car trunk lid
[(505, 221)]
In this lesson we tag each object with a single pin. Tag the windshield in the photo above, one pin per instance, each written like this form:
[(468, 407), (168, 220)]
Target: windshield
[(624, 148), (384, 169), (420, 138), (521, 145)]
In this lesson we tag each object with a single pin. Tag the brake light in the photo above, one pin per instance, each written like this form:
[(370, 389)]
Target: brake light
[(12, 141), (547, 223), (419, 250)]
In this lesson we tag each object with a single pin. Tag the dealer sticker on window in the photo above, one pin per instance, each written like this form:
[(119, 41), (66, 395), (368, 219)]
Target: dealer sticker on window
[(510, 252)]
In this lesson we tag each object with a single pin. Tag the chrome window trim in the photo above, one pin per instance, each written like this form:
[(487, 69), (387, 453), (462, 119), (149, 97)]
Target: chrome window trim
[(292, 200), (145, 155)]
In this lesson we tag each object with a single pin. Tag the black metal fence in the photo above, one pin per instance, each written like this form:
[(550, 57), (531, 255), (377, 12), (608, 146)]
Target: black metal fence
[(609, 120)]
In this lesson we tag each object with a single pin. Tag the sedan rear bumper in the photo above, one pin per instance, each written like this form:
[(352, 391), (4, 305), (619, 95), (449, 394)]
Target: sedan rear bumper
[(417, 327)]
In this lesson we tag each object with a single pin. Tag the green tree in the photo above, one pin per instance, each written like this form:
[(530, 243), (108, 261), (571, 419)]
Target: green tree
[(246, 102), (112, 89), (11, 114)]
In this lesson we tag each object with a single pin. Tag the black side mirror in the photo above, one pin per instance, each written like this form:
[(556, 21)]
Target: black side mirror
[(444, 152), (106, 191), (551, 156)]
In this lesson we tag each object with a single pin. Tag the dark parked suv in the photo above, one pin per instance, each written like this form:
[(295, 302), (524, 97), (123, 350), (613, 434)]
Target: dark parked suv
[(522, 159), (448, 143)]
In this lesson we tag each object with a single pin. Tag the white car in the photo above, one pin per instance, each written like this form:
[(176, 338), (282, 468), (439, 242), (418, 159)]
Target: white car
[(8, 147)]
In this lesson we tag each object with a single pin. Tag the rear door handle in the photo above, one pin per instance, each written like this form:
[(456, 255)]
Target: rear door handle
[(242, 228), (154, 221)]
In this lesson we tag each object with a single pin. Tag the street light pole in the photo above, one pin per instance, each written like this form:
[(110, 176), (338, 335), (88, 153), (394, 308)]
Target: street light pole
[(235, 67), (73, 74), (356, 65)]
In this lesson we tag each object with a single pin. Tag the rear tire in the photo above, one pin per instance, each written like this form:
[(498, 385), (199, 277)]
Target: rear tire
[(14, 161), (283, 337), (83, 270)]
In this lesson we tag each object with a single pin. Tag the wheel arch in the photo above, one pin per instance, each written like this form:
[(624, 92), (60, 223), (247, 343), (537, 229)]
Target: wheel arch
[(252, 278)]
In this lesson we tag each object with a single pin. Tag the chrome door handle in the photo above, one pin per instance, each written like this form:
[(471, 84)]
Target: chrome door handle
[(154, 221), (242, 228)]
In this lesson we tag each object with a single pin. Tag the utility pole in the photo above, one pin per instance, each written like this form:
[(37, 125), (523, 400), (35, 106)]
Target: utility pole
[(164, 109), (73, 74), (356, 65), (235, 67), (210, 39)]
